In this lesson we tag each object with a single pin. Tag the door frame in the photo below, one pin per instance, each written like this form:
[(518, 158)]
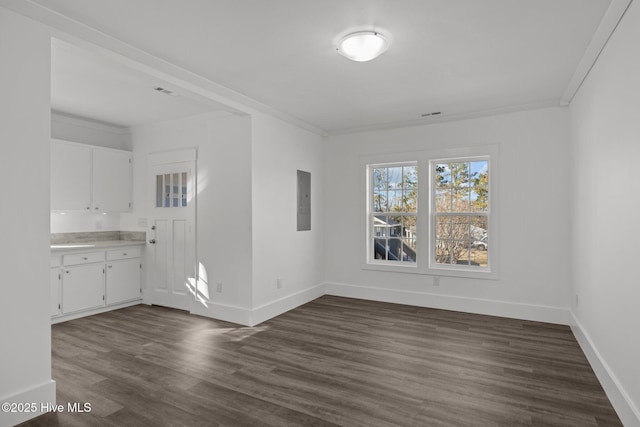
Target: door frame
[(184, 155)]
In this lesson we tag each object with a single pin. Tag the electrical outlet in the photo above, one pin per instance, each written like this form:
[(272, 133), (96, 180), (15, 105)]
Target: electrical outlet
[(219, 287), (279, 283), (436, 280)]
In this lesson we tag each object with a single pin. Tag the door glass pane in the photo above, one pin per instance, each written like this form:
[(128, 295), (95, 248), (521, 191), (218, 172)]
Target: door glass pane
[(167, 190), (158, 191), (174, 193), (184, 189)]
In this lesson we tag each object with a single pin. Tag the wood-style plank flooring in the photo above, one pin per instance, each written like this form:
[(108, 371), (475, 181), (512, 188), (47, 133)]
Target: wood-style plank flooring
[(332, 362)]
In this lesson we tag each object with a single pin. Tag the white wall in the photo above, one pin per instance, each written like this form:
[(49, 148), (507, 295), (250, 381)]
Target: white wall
[(87, 132), (25, 357), (605, 118), (279, 251), (224, 197), (533, 206)]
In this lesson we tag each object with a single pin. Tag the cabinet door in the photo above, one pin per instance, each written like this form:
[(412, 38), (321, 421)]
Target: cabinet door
[(111, 180), (55, 291), (123, 280), (70, 176), (82, 287)]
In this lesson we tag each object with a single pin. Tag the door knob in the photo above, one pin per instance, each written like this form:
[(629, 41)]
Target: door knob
[(152, 241)]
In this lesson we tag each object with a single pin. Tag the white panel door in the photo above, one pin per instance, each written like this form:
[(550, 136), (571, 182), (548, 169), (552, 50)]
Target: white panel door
[(70, 176), (172, 238), (111, 180)]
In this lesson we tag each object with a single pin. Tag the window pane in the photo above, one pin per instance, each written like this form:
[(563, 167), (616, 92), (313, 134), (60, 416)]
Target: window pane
[(158, 191), (443, 200), (175, 185), (167, 190), (443, 175), (184, 189), (395, 200), (395, 178), (380, 179), (395, 226), (460, 228), (410, 177), (410, 201), (443, 227), (380, 249), (394, 190), (380, 226), (380, 200)]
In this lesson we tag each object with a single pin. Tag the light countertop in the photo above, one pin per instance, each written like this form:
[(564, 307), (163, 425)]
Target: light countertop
[(79, 246)]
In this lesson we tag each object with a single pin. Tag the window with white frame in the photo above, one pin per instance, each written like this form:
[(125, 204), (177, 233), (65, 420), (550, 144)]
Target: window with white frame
[(450, 231), (460, 213), (393, 208)]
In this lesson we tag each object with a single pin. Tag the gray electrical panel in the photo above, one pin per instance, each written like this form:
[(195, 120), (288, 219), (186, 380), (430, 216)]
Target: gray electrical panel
[(304, 201)]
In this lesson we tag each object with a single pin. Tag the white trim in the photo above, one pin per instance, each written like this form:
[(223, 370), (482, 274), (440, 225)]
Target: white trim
[(423, 159), (625, 408), (82, 35), (537, 313), (228, 313), (252, 317), (40, 395), (85, 313), (605, 30), (456, 117), (60, 117), (172, 156), (275, 308)]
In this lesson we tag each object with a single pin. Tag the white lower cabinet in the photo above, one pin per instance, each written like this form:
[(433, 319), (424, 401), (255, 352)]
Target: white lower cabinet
[(94, 280), (123, 280), (82, 287)]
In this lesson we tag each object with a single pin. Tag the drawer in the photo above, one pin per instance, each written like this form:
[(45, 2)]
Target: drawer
[(55, 260), (124, 253), (84, 258)]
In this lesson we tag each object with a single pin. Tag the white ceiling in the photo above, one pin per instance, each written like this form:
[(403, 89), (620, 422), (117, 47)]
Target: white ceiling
[(454, 56)]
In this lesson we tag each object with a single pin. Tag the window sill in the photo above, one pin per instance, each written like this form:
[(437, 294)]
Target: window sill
[(432, 271)]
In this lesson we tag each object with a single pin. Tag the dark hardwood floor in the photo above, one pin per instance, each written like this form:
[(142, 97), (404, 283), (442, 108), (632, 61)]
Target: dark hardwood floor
[(334, 361)]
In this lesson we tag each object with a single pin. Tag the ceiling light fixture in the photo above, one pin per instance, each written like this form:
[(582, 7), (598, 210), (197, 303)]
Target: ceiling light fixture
[(363, 46)]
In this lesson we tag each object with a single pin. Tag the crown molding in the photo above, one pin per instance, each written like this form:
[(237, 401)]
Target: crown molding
[(605, 30), (449, 118), (87, 37), (77, 121)]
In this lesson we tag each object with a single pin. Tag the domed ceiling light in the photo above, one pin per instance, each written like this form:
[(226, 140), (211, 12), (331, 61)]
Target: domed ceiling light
[(363, 46)]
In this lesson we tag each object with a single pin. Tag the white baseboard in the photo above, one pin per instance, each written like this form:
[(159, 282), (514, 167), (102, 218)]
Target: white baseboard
[(42, 396), (538, 313), (227, 313), (619, 398), (252, 317), (86, 313), (275, 308)]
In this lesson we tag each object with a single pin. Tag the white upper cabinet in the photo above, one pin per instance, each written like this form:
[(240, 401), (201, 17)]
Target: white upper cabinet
[(88, 178), (70, 176), (111, 180)]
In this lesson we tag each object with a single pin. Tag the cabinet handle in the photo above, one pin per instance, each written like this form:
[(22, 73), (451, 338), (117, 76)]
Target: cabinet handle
[(67, 271), (109, 266), (88, 207), (152, 241), (85, 258), (97, 208), (124, 254)]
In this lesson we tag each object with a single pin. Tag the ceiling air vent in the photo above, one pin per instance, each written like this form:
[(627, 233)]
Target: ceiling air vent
[(165, 91), (437, 113)]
